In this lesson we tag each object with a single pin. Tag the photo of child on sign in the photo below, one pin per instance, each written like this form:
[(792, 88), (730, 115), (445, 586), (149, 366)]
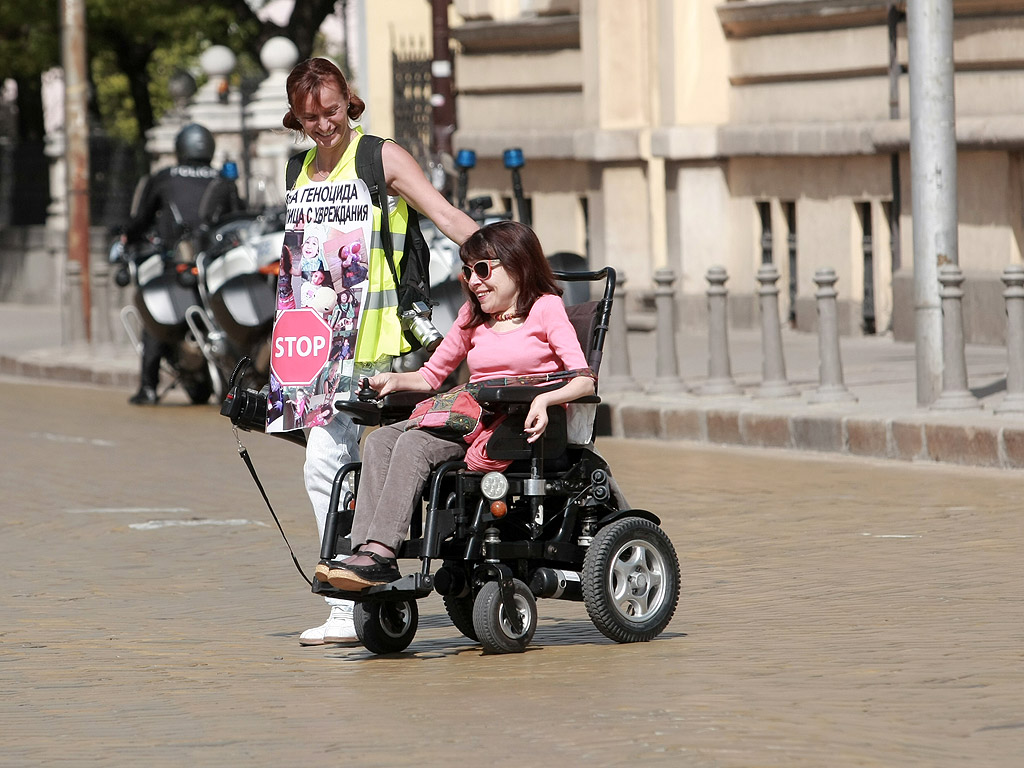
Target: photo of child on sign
[(321, 286)]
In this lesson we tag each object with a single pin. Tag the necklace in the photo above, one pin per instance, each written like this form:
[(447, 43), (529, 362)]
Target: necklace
[(510, 315), (316, 161), (319, 170)]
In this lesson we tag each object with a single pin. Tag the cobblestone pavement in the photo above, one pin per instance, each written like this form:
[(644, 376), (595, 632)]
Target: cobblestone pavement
[(834, 612)]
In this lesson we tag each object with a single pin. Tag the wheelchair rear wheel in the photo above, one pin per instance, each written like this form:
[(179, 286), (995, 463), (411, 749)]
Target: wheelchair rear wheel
[(631, 580), (492, 625), (460, 611), (386, 627)]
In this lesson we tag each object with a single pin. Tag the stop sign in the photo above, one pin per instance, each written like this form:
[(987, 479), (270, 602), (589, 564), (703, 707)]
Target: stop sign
[(302, 344)]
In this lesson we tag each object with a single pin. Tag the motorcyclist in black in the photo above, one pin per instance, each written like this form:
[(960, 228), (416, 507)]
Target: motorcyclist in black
[(178, 201)]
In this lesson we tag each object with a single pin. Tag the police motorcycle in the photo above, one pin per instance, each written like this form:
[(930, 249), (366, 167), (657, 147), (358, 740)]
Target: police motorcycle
[(165, 289), (236, 276)]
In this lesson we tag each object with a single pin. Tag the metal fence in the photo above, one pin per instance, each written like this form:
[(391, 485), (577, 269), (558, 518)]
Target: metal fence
[(24, 184), (411, 71), (114, 169)]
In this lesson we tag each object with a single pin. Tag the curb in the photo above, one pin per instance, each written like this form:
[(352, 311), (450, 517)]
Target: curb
[(904, 438), (67, 372), (724, 421)]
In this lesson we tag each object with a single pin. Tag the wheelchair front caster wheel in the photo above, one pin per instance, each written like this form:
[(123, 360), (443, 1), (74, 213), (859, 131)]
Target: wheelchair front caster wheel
[(493, 629), (386, 627), (631, 580)]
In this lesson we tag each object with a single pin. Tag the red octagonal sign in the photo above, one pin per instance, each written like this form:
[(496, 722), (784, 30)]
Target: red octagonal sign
[(302, 344)]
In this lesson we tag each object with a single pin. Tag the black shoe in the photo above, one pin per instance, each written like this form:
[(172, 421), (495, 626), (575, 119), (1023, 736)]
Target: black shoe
[(145, 396), (355, 578)]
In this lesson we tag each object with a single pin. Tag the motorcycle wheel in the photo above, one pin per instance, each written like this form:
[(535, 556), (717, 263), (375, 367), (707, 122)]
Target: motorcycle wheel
[(198, 387)]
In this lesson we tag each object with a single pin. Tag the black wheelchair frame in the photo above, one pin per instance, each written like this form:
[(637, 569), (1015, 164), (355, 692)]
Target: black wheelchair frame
[(552, 525)]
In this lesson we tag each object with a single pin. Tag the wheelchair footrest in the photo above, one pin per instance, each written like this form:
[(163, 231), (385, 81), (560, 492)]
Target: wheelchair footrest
[(411, 587)]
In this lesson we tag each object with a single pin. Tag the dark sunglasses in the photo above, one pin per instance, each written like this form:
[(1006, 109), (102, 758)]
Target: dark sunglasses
[(482, 269)]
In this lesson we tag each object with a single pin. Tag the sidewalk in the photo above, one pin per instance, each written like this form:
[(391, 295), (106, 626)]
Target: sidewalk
[(31, 347), (884, 422)]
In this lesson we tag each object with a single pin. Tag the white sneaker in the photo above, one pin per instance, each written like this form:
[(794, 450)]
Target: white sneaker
[(339, 628)]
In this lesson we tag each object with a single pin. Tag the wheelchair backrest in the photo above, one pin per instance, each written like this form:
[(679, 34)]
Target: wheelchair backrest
[(591, 318), (574, 426)]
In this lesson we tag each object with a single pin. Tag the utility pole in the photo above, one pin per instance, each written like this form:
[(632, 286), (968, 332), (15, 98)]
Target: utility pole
[(76, 147), (933, 178), (895, 16), (442, 95)]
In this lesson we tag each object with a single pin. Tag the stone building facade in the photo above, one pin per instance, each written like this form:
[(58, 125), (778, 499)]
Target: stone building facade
[(690, 133)]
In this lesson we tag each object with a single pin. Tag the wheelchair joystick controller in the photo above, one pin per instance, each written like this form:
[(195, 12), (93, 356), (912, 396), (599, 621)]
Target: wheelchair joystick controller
[(366, 393)]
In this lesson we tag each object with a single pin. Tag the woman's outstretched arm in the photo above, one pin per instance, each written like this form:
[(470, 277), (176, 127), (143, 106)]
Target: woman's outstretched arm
[(405, 178)]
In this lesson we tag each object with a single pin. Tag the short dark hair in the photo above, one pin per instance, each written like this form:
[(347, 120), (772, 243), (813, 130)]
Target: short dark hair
[(517, 248)]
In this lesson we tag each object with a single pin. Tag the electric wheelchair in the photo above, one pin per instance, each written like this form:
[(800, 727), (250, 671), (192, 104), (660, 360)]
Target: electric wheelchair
[(553, 525)]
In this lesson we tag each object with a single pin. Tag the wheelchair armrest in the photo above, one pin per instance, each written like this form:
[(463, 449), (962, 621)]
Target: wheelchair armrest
[(516, 394), (366, 414), (524, 395), (408, 400), (509, 441), (398, 405), (394, 407)]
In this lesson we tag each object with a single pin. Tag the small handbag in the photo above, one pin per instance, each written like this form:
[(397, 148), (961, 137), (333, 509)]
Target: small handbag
[(454, 415), (457, 415)]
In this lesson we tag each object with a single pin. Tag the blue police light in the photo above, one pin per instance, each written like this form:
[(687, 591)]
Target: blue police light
[(229, 171), (514, 159), (466, 158)]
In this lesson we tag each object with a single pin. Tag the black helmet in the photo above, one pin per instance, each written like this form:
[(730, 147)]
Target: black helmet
[(194, 145)]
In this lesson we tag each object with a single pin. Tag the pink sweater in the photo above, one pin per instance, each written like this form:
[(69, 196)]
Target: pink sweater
[(546, 342)]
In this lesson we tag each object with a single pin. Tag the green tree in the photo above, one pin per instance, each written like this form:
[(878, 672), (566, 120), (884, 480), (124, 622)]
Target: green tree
[(135, 46), (29, 45)]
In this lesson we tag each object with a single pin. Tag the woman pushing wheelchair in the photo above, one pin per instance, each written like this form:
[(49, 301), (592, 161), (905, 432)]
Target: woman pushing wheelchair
[(512, 324)]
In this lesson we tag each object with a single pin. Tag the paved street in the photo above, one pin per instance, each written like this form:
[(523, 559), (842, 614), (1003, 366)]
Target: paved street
[(835, 612)]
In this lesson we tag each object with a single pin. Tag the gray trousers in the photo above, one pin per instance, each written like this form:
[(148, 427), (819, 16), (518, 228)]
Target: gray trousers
[(396, 464)]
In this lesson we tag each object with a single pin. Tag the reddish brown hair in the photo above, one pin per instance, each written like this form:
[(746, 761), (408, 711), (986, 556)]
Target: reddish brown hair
[(307, 79), (517, 248)]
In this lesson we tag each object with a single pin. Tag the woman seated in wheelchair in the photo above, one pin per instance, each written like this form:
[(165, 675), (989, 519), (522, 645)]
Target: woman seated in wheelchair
[(513, 324)]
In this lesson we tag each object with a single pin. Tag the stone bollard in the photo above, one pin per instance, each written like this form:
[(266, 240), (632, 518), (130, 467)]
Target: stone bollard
[(616, 374), (99, 285), (72, 322), (773, 367), (720, 381), (831, 388), (666, 377), (955, 394), (1013, 279)]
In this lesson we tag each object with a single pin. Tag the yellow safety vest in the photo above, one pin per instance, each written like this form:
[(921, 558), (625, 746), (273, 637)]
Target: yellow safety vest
[(380, 331)]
